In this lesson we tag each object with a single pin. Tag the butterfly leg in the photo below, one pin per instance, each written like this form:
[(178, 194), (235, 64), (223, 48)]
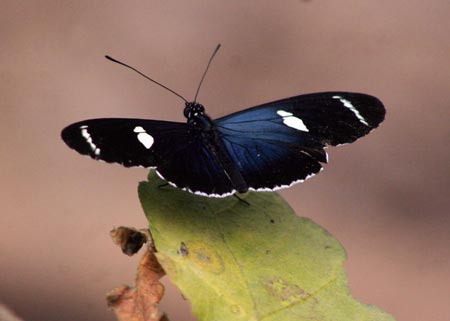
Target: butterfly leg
[(241, 200), (163, 185)]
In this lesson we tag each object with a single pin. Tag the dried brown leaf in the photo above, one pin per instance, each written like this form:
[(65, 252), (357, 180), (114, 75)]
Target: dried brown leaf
[(140, 303)]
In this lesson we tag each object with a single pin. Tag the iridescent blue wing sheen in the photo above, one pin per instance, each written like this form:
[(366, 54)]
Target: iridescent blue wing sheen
[(280, 143)]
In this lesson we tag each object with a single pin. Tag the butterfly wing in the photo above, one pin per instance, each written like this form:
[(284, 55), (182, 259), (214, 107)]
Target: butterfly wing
[(273, 145), (180, 157), (196, 170), (281, 143), (130, 142)]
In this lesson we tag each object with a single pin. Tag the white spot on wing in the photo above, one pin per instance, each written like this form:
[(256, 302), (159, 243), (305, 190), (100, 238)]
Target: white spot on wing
[(87, 136), (143, 137), (139, 129), (349, 105), (290, 120)]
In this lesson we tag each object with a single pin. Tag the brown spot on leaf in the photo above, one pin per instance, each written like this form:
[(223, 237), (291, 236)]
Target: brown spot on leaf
[(184, 251), (288, 293), (206, 258)]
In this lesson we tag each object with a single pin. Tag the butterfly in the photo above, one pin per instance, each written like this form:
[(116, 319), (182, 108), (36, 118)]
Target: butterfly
[(263, 148)]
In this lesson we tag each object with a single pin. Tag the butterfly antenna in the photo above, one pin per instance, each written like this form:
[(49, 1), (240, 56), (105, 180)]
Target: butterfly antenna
[(206, 70), (145, 76)]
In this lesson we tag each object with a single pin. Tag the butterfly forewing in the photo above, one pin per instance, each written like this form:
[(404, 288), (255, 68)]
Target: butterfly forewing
[(130, 142), (332, 117)]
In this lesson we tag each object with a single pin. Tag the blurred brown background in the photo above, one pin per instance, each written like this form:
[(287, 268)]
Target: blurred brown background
[(385, 197)]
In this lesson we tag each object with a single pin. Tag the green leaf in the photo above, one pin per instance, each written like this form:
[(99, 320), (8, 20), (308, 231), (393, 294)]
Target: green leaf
[(260, 262)]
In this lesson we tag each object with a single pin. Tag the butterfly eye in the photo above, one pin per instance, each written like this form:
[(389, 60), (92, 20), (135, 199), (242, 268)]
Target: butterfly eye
[(199, 109)]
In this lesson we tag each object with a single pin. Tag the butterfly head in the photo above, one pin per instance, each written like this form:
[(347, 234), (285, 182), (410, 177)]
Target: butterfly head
[(193, 109)]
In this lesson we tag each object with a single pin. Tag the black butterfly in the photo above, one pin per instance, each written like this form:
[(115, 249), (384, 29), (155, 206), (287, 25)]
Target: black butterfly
[(263, 148)]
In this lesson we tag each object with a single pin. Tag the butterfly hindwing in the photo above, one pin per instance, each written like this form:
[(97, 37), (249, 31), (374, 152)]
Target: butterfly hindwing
[(270, 164), (195, 169)]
